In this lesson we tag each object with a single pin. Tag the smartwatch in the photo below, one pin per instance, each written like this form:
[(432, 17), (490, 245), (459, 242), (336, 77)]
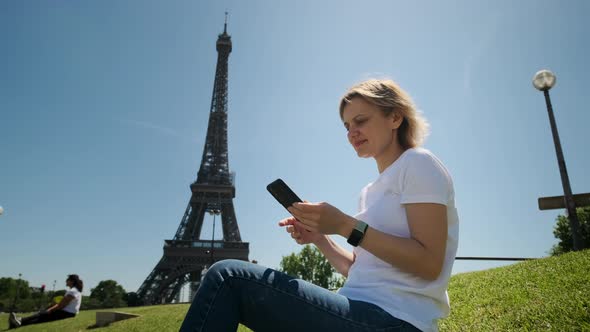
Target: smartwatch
[(357, 233)]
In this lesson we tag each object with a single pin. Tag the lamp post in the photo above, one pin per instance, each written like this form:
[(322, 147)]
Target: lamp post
[(215, 213), (544, 80), (14, 302)]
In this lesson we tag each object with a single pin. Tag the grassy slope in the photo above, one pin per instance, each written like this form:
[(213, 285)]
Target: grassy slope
[(160, 318), (153, 318), (551, 294)]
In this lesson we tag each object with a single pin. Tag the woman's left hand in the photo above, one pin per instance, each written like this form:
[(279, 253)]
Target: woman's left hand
[(322, 218)]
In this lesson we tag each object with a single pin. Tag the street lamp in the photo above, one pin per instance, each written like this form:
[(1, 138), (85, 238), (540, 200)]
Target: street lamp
[(544, 80), (214, 212), (14, 302)]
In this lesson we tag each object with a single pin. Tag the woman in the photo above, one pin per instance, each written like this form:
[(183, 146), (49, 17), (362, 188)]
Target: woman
[(68, 307), (405, 237)]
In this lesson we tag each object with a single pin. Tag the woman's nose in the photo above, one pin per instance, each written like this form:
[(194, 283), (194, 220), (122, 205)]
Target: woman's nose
[(352, 133)]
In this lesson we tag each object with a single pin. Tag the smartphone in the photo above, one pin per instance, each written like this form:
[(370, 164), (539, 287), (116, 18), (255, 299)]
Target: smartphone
[(282, 193)]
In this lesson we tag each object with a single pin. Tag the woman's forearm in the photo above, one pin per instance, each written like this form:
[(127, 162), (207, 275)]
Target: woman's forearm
[(340, 258), (407, 254), (63, 303), (422, 253), (52, 308)]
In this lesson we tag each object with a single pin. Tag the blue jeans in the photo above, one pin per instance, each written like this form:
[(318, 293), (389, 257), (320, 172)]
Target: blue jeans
[(263, 299)]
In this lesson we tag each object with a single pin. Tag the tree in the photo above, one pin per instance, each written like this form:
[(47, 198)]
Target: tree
[(89, 303), (8, 288), (109, 294), (563, 232), (311, 265), (14, 292), (133, 300)]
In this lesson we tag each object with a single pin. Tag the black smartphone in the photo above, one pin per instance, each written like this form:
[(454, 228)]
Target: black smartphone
[(281, 191)]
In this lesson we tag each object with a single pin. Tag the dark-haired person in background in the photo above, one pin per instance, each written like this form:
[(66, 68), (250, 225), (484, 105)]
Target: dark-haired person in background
[(68, 307)]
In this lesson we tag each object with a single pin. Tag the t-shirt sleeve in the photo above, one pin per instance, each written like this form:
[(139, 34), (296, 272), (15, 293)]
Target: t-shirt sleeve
[(425, 180)]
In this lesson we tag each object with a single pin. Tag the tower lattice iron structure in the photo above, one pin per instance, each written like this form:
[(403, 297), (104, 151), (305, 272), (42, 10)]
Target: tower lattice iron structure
[(187, 255)]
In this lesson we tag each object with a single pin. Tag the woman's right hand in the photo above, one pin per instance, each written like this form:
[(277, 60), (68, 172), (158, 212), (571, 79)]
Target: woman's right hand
[(298, 233)]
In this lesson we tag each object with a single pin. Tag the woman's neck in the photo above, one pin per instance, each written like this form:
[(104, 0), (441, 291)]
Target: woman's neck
[(389, 156)]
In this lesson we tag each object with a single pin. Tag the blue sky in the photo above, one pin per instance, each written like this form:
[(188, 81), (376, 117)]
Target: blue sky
[(104, 107)]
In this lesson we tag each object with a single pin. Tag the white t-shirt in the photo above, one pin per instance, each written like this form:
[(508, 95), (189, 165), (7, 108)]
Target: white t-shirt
[(417, 176), (74, 305)]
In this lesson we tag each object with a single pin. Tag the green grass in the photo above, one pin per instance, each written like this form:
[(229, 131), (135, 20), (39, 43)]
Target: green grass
[(153, 318), (159, 318), (550, 294)]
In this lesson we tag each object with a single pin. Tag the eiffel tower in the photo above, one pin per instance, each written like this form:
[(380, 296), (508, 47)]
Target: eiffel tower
[(187, 255)]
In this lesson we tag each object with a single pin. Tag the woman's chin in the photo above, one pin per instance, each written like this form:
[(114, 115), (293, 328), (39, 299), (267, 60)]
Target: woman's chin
[(363, 154)]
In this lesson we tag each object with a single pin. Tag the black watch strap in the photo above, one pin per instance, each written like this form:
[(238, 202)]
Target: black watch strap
[(358, 233)]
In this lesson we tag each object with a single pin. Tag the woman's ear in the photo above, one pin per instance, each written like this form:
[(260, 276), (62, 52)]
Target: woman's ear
[(395, 120)]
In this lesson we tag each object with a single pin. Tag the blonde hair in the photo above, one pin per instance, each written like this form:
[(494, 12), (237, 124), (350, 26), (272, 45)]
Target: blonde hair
[(390, 98)]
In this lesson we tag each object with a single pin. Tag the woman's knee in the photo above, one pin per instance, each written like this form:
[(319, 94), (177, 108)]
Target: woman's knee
[(227, 267), (226, 264)]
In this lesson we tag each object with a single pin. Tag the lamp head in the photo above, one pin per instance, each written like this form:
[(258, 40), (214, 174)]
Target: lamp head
[(544, 80)]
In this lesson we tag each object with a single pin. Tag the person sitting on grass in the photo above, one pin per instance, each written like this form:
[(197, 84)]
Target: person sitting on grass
[(68, 307), (404, 238)]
